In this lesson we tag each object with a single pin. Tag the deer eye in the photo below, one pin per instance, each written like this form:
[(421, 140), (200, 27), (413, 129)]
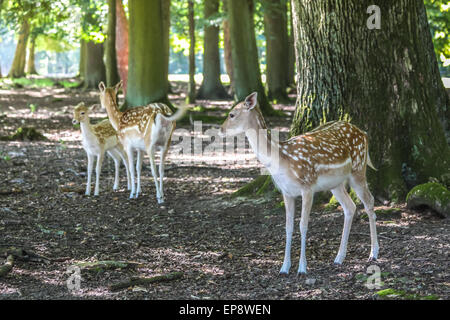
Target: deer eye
[(82, 113), (231, 115)]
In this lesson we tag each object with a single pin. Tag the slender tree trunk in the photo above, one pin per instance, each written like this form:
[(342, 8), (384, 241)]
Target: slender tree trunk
[(122, 44), (191, 89), (31, 66), (211, 87), (82, 65), (94, 67), (166, 34), (227, 46), (18, 65), (112, 73), (147, 82), (291, 50), (384, 80), (246, 71), (275, 22)]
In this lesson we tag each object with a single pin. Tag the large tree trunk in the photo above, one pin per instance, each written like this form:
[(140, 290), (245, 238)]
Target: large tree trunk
[(122, 44), (211, 87), (94, 67), (227, 46), (384, 80), (191, 88), (246, 71), (112, 73), (147, 82), (277, 57), (18, 66), (31, 66)]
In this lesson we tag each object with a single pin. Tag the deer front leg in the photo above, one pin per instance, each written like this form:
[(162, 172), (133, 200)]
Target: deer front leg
[(289, 204), (98, 170), (124, 158), (307, 199), (90, 166)]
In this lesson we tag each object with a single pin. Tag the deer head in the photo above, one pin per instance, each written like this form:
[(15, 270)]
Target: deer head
[(244, 116)]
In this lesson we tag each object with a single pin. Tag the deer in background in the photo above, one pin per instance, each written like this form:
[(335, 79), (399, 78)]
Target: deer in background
[(323, 159), (145, 128), (96, 140)]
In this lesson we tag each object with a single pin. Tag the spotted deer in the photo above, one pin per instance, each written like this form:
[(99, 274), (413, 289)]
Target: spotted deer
[(323, 159), (96, 140), (146, 128)]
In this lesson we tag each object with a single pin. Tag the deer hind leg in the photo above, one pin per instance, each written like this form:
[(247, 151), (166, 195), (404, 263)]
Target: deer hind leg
[(359, 184), (116, 157), (307, 200), (151, 155), (138, 171), (289, 203), (349, 210), (161, 172), (130, 156), (124, 158)]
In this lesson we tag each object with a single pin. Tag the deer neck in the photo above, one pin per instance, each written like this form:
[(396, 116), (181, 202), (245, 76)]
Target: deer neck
[(261, 142), (114, 114)]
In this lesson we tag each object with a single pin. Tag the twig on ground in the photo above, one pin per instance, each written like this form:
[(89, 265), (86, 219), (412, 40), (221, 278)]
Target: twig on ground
[(137, 281)]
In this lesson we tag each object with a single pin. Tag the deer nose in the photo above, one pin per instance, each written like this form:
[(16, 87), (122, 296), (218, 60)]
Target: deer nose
[(74, 121)]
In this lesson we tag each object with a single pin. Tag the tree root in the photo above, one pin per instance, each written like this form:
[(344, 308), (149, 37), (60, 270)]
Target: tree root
[(137, 281)]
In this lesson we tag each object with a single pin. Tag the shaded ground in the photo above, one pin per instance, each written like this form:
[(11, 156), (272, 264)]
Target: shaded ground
[(226, 248)]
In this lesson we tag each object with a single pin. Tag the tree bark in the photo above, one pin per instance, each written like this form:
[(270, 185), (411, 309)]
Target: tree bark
[(246, 71), (18, 65), (277, 53), (211, 87), (147, 82), (31, 66), (122, 44), (112, 73), (291, 50), (191, 88), (94, 67), (386, 81)]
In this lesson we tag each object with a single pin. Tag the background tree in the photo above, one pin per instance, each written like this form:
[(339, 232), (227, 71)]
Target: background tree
[(112, 73), (384, 80), (122, 43), (227, 45), (277, 57), (191, 86), (246, 70), (211, 87), (146, 70)]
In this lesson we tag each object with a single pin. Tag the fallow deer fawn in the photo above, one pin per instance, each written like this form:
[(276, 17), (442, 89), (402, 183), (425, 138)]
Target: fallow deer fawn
[(323, 159), (96, 140), (143, 128)]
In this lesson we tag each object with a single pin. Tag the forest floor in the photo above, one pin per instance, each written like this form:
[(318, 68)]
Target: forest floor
[(226, 248)]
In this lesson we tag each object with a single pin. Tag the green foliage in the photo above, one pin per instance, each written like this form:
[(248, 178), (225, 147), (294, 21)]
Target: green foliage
[(438, 12)]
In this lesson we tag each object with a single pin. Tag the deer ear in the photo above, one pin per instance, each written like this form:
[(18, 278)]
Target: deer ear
[(251, 101), (101, 86), (118, 86), (95, 108)]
